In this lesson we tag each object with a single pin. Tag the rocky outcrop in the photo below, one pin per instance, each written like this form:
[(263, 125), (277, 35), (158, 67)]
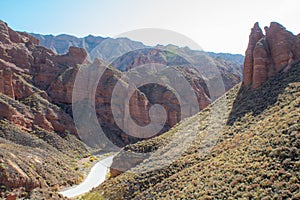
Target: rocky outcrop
[(26, 72), (255, 36), (20, 116), (6, 85), (269, 54), (72, 58)]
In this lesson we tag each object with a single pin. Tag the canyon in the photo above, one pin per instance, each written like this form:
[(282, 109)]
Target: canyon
[(36, 86), (41, 139)]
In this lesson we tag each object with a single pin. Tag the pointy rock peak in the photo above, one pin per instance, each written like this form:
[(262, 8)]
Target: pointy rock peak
[(269, 54), (254, 37)]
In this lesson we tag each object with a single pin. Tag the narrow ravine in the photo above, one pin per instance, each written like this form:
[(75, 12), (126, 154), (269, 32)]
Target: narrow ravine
[(95, 177)]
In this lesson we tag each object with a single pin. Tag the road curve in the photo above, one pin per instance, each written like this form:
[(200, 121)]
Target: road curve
[(96, 176)]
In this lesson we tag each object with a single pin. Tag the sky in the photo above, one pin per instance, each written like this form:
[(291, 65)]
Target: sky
[(214, 25)]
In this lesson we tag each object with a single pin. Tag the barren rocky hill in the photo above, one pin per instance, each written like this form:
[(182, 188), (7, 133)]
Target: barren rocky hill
[(38, 140)]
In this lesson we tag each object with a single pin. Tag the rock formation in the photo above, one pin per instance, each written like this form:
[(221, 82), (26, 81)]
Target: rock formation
[(26, 71), (6, 85), (269, 54)]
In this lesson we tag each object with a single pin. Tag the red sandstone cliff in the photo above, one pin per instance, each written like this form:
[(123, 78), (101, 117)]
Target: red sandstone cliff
[(27, 70), (270, 53), (36, 147)]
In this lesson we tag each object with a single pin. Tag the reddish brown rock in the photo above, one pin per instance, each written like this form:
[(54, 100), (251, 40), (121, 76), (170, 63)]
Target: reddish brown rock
[(125, 161), (22, 89), (62, 122), (29, 39), (255, 35), (4, 35), (41, 121), (20, 116), (138, 107), (261, 63), (73, 57), (26, 70), (15, 37), (61, 89), (297, 45), (280, 44), (11, 197), (6, 85), (269, 54)]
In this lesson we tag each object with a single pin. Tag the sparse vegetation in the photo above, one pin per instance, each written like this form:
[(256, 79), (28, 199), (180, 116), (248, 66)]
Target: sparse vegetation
[(257, 155), (92, 196)]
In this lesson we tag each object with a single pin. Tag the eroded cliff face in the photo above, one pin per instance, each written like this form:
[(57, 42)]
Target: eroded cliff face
[(26, 72), (38, 139), (270, 53)]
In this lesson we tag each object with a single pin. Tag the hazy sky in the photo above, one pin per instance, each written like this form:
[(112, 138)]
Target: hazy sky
[(219, 26)]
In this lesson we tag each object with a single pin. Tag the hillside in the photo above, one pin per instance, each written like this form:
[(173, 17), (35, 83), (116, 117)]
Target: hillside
[(257, 153), (39, 145), (246, 144)]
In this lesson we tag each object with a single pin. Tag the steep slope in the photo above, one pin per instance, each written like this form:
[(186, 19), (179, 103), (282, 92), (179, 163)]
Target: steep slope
[(244, 145), (257, 154)]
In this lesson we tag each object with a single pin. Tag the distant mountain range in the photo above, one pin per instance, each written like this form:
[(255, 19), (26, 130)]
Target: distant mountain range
[(105, 48), (111, 48), (238, 58)]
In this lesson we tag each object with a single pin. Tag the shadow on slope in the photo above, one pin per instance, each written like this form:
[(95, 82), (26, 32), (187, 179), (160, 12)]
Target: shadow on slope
[(258, 100)]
